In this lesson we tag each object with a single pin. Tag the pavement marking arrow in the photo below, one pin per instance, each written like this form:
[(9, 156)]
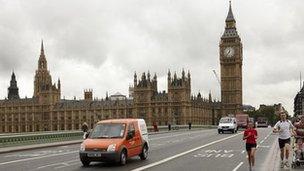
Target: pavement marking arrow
[(183, 153)]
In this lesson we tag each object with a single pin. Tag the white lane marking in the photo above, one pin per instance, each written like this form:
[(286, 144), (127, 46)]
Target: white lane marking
[(176, 135), (243, 151), (60, 167), (265, 138), (238, 166), (183, 153), (34, 158), (54, 164), (41, 167)]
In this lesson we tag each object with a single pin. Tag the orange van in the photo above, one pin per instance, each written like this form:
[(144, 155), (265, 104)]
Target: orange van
[(115, 140)]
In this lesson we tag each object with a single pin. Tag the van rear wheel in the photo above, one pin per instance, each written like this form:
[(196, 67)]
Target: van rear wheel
[(144, 153)]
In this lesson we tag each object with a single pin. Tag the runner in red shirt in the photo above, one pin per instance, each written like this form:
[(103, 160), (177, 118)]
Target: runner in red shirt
[(250, 135)]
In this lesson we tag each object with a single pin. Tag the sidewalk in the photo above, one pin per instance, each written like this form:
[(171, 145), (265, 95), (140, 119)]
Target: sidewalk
[(37, 146), (273, 158), (62, 143)]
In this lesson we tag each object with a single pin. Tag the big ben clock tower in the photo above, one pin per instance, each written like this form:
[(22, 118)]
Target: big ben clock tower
[(231, 60)]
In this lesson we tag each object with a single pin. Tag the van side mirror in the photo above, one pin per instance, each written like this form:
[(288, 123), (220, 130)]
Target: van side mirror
[(86, 135), (131, 134)]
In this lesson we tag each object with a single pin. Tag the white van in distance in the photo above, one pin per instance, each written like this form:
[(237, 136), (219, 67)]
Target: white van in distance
[(227, 124)]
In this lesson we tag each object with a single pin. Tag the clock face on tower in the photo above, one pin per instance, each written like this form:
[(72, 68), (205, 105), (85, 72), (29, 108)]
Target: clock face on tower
[(229, 52)]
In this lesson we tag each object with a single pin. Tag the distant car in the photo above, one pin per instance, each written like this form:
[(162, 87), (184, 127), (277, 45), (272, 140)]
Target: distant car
[(115, 140), (227, 124), (242, 120), (262, 122), (252, 121)]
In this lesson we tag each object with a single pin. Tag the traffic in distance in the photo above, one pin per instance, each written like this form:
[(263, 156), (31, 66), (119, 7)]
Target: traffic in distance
[(116, 140)]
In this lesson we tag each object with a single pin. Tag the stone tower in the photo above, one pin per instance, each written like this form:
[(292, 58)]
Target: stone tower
[(179, 92), (88, 95), (231, 60), (44, 90), (144, 90), (13, 91)]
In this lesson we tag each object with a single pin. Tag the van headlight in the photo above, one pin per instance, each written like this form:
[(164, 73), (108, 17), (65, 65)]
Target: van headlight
[(82, 147), (111, 148)]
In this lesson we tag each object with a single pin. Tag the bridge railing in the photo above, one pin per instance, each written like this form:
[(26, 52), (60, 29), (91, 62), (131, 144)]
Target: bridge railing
[(17, 139)]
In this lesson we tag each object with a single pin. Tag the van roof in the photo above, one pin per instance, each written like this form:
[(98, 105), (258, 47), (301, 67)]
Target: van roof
[(127, 120)]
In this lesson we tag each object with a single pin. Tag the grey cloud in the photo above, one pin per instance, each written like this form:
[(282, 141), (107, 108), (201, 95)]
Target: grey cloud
[(99, 44)]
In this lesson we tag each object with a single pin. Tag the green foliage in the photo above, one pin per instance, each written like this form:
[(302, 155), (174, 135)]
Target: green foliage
[(267, 111)]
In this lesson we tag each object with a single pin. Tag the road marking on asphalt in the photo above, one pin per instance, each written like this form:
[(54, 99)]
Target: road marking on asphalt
[(35, 158), (55, 164), (176, 135), (60, 167), (238, 166), (183, 153), (243, 151)]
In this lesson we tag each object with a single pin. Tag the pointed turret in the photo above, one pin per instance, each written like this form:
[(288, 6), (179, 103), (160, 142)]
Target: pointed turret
[(107, 96), (42, 49), (230, 29), (42, 63), (199, 95), (135, 79), (210, 96), (230, 16), (149, 75), (169, 75), (155, 77), (59, 84), (13, 90), (183, 74), (143, 77)]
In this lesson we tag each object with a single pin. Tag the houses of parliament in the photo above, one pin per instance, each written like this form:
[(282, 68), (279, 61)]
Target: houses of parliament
[(46, 111)]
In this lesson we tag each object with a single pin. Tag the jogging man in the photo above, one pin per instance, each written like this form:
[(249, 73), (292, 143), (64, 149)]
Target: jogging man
[(284, 127)]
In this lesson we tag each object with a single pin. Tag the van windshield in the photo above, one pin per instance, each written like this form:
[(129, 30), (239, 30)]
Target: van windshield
[(226, 120), (108, 130)]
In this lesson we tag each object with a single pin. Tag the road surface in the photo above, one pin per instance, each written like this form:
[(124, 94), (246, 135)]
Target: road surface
[(178, 151)]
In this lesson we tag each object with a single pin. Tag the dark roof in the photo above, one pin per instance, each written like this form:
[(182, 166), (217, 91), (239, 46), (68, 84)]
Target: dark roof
[(18, 101), (85, 104), (230, 33)]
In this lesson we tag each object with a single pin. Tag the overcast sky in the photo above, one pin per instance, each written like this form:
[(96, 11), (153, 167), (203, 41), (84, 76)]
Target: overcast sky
[(99, 44)]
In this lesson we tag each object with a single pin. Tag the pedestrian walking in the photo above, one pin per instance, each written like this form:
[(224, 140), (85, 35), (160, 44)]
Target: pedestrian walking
[(85, 129), (285, 129), (190, 125), (250, 135)]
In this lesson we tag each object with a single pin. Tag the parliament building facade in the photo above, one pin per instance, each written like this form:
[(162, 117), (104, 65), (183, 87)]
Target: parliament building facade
[(46, 111)]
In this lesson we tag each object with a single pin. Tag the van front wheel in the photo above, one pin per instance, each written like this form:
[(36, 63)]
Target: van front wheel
[(123, 157), (85, 162), (144, 153)]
